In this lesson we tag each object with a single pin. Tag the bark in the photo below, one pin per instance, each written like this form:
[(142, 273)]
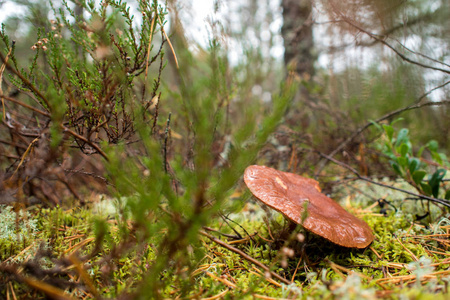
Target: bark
[(297, 35)]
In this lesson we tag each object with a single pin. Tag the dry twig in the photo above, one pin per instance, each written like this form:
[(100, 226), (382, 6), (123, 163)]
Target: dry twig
[(246, 257)]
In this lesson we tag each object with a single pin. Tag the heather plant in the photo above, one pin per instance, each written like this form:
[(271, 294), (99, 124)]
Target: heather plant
[(171, 155), (167, 195), (75, 93)]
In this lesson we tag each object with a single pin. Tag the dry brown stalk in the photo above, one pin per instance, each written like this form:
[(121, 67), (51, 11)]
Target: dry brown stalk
[(47, 289), (24, 156), (93, 145), (296, 269), (12, 291), (79, 245), (170, 44), (21, 252), (84, 275), (206, 267), (411, 278), (41, 112), (245, 256), (375, 252), (150, 38), (407, 250), (223, 280), (218, 296), (260, 274), (267, 297), (337, 268), (2, 69), (239, 241)]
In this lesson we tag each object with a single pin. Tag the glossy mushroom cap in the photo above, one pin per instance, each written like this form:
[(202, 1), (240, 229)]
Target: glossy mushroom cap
[(287, 193)]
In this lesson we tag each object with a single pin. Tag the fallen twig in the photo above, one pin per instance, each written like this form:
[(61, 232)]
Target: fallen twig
[(246, 257)]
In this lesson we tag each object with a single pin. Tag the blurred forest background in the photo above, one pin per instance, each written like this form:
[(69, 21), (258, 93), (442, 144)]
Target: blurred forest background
[(354, 61), (145, 100)]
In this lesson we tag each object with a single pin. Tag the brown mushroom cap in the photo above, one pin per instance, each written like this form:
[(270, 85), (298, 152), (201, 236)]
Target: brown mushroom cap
[(287, 193)]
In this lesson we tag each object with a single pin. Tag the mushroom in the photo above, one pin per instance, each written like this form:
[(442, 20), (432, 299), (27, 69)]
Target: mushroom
[(290, 194)]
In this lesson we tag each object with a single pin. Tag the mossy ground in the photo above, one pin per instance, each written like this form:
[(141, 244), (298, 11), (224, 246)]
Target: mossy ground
[(409, 259)]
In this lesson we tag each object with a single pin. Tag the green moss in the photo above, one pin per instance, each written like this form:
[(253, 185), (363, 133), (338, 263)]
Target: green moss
[(394, 253)]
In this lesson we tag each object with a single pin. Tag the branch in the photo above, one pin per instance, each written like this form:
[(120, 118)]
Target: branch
[(382, 40), (92, 174), (80, 137), (420, 54), (25, 105), (385, 32), (25, 80), (436, 200), (387, 116), (412, 106), (400, 54)]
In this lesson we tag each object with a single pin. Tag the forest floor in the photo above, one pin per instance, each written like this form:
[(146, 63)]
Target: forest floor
[(409, 258)]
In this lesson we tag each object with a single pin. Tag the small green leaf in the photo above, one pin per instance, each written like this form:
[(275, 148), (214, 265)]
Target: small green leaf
[(437, 158), (426, 189), (388, 150), (436, 180), (402, 137), (433, 145), (414, 164), (418, 176), (403, 149), (447, 195), (389, 131), (396, 167), (397, 120), (403, 162), (376, 125), (419, 154)]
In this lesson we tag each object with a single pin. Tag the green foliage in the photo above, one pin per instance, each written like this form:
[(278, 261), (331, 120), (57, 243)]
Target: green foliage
[(151, 181), (427, 176)]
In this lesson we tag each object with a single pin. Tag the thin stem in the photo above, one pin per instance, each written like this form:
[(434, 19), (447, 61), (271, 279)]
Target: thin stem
[(412, 106), (25, 81), (80, 137)]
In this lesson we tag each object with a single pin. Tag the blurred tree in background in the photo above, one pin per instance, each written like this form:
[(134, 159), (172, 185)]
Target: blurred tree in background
[(366, 60), (358, 61), (386, 55), (297, 34)]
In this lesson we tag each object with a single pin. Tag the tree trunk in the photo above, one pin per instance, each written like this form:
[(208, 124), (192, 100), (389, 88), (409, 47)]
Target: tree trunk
[(298, 38)]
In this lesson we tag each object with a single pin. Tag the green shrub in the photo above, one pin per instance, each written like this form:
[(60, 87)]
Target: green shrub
[(424, 174)]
